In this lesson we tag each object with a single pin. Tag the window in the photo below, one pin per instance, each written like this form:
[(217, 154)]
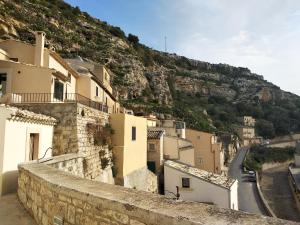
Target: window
[(3, 78), (58, 90), (151, 147), (200, 160), (198, 137), (97, 91), (105, 76), (14, 59), (133, 133), (185, 182), (69, 77)]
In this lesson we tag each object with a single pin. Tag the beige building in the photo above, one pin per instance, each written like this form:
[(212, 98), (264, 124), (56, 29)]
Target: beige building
[(24, 136), (151, 121), (173, 128), (130, 150), (94, 83), (155, 150), (54, 79), (247, 121), (179, 149), (208, 155), (199, 185)]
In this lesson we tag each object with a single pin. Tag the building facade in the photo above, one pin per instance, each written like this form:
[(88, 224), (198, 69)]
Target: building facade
[(129, 143), (209, 155), (24, 136), (201, 186)]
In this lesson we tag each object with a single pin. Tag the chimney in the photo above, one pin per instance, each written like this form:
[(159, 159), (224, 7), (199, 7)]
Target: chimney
[(39, 48)]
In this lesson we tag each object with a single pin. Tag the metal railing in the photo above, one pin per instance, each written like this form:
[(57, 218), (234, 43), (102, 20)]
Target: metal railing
[(17, 98)]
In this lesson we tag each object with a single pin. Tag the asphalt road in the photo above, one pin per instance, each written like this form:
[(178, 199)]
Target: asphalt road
[(248, 197)]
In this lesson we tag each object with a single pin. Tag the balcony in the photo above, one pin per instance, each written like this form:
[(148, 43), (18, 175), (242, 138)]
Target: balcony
[(25, 98)]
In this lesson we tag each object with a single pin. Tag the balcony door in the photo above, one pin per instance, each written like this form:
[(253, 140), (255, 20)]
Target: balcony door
[(3, 82), (58, 90)]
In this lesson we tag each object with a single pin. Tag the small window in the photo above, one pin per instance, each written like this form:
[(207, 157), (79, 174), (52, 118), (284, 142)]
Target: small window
[(198, 137), (97, 91), (200, 160), (185, 182), (133, 133), (69, 77), (151, 147), (14, 59)]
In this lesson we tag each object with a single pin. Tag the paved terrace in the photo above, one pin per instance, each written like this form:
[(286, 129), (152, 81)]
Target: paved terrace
[(78, 201)]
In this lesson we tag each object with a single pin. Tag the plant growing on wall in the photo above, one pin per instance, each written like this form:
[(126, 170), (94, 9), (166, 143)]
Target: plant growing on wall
[(101, 134)]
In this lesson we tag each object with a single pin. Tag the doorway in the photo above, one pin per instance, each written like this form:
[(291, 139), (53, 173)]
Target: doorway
[(33, 146), (3, 82)]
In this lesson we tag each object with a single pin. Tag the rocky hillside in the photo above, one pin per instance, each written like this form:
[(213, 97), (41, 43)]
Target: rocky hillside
[(207, 96)]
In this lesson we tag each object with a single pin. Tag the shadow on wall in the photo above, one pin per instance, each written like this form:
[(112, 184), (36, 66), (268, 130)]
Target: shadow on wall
[(9, 182)]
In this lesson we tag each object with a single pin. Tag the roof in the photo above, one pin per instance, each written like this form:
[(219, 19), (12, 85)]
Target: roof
[(155, 133), (219, 180), (21, 115), (75, 64)]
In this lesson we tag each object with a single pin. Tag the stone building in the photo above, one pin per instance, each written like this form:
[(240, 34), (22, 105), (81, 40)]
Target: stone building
[(24, 136)]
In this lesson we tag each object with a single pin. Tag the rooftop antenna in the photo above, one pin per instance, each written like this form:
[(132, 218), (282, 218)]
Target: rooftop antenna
[(165, 43)]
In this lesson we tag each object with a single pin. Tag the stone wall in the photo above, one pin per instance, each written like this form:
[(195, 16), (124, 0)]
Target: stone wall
[(71, 134), (71, 163), (49, 194)]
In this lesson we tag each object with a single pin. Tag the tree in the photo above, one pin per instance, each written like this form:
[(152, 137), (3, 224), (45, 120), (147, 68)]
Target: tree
[(133, 38), (265, 129)]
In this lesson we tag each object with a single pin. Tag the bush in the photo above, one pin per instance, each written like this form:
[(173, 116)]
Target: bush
[(116, 31), (133, 39), (265, 129), (258, 155)]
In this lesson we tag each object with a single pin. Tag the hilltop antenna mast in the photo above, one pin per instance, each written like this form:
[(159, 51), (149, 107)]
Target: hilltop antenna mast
[(165, 43)]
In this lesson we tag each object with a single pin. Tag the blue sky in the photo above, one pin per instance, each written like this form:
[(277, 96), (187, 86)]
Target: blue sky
[(261, 35)]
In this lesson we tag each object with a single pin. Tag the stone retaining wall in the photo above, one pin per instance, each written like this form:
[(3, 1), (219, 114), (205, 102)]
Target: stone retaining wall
[(49, 194), (71, 134)]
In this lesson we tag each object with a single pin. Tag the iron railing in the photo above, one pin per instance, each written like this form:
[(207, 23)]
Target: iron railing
[(17, 98)]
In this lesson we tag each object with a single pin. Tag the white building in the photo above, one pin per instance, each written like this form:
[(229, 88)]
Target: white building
[(24, 136), (199, 185)]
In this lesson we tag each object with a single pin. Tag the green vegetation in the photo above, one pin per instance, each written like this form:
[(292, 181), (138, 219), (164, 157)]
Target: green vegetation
[(258, 155)]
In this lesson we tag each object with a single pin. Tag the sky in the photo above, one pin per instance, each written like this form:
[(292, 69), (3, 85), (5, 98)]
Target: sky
[(263, 35)]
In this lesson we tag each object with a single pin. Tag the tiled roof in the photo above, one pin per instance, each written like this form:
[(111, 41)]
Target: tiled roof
[(28, 116), (154, 133), (220, 180)]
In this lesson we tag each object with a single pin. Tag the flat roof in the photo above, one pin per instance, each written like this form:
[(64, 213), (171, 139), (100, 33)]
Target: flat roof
[(219, 180)]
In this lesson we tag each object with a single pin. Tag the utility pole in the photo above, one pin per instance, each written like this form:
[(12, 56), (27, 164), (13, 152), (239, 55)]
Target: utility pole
[(165, 43)]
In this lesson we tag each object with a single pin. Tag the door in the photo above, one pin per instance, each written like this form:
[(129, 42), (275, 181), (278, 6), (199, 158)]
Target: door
[(151, 166), (58, 90), (3, 81), (33, 147)]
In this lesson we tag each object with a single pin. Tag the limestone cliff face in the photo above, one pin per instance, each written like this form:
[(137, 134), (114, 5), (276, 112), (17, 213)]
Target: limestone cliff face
[(148, 80)]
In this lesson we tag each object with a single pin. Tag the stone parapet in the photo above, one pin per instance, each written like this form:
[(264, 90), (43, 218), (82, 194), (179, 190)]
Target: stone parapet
[(48, 194)]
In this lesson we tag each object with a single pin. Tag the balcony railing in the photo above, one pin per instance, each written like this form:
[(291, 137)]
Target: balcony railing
[(18, 98)]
